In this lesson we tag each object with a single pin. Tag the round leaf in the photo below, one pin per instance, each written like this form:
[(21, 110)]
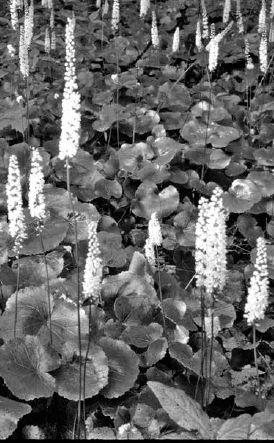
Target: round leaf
[(24, 365), (147, 200), (96, 376), (10, 413), (32, 319), (123, 367)]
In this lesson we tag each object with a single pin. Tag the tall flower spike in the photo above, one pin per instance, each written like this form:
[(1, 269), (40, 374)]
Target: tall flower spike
[(176, 40), (239, 17), (98, 4), (53, 40), (52, 18), (28, 23), (17, 226), (212, 30), (271, 27), (71, 119), (19, 4), (257, 298), (263, 52), (209, 326), (115, 18), (272, 9), (144, 7), (105, 8), (213, 48), (23, 54), (47, 3), (154, 238), (149, 252), (198, 36), (11, 50), (226, 11), (262, 18), (210, 245), (154, 31), (92, 281), (154, 230), (47, 41), (205, 33), (37, 205), (13, 14), (249, 62)]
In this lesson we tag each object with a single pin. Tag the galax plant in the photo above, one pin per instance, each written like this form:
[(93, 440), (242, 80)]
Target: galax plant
[(131, 210)]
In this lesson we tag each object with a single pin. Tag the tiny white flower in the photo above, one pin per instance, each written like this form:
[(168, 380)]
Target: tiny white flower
[(115, 18), (47, 41), (257, 298), (198, 36), (262, 18), (23, 54), (149, 252), (226, 11), (11, 50), (144, 7), (239, 17), (13, 14), (205, 33), (209, 326), (154, 230), (37, 205), (105, 8), (114, 78), (176, 40), (263, 52), (210, 244), (17, 226), (71, 119), (28, 22), (154, 31), (213, 48), (92, 281)]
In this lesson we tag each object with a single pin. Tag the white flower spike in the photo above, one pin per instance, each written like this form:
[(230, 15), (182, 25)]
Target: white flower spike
[(257, 298), (37, 205), (92, 281), (71, 119), (17, 226)]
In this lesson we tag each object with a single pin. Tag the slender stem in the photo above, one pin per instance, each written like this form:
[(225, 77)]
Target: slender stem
[(117, 94), (16, 296), (255, 358), (78, 300), (47, 275), (160, 290), (211, 351), (27, 103), (85, 363), (203, 350)]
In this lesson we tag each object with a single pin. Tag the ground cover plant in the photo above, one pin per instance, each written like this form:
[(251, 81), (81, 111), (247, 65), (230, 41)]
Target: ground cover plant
[(137, 226)]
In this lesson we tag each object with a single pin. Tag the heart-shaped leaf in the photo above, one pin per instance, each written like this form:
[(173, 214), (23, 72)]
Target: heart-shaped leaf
[(123, 367), (148, 200), (96, 375), (24, 365), (141, 337), (33, 318), (10, 413)]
